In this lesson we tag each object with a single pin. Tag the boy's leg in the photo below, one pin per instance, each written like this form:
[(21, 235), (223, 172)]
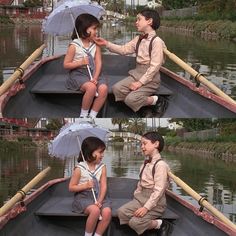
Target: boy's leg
[(139, 98), (121, 88), (125, 212)]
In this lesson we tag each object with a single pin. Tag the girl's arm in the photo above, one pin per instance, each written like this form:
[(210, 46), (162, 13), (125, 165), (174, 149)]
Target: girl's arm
[(98, 63), (75, 178), (103, 185), (69, 62)]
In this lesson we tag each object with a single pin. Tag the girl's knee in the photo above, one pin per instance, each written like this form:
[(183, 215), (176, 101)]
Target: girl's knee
[(94, 210), (103, 90), (106, 213)]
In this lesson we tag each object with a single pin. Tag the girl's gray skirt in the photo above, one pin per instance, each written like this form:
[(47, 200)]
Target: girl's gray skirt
[(80, 76), (84, 199)]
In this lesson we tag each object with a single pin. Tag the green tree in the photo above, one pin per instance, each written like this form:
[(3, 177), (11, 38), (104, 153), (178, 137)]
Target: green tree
[(120, 122), (136, 126), (33, 3), (54, 124), (195, 124)]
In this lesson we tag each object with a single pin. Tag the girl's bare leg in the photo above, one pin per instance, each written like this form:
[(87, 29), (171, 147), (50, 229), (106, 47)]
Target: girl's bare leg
[(102, 95), (93, 213), (106, 217), (89, 90)]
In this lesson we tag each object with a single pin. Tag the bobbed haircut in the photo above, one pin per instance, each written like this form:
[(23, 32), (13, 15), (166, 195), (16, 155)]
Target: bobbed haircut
[(82, 23), (89, 145), (151, 14), (153, 137)]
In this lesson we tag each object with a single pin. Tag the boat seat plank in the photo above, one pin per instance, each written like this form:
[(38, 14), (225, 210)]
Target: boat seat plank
[(55, 84), (62, 206)]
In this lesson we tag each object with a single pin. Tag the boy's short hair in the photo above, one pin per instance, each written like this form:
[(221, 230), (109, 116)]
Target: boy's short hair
[(152, 14), (153, 137)]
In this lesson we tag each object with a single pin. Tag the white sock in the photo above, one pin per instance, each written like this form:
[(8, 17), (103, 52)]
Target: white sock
[(159, 222), (88, 234), (93, 114), (83, 113), (155, 99), (97, 234)]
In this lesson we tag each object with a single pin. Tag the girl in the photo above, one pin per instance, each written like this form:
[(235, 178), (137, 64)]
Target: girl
[(149, 200), (87, 175), (81, 52), (139, 88)]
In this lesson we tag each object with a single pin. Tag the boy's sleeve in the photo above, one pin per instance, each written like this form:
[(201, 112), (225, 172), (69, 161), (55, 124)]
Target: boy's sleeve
[(128, 48), (157, 59)]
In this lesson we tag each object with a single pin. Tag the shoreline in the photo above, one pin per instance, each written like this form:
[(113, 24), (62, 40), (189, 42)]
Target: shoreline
[(224, 151)]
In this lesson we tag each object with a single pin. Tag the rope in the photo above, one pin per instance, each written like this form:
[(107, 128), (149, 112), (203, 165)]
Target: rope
[(196, 78), (22, 192), (19, 69), (200, 201)]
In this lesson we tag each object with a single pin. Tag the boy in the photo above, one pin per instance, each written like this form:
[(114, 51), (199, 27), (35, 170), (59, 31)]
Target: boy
[(138, 88)]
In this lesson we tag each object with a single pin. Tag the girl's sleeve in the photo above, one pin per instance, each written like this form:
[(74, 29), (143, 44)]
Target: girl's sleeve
[(128, 48), (161, 182)]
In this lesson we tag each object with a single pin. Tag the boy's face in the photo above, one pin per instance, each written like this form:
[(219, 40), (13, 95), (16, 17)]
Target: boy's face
[(142, 24)]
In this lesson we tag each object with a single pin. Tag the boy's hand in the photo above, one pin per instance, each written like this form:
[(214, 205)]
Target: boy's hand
[(141, 212), (100, 41), (135, 85)]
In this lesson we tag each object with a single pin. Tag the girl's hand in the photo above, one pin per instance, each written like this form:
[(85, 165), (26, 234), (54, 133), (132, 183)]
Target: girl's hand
[(141, 212), (99, 204), (90, 184), (94, 81), (100, 41), (135, 85)]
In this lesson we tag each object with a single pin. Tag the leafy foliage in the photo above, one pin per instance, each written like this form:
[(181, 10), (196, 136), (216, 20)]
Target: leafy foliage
[(33, 3)]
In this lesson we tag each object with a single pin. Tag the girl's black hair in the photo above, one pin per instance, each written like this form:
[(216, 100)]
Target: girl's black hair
[(82, 23), (89, 145), (152, 14), (153, 137)]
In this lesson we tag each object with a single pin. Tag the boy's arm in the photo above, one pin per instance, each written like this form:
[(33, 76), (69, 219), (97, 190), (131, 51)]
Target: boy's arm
[(128, 48), (157, 59)]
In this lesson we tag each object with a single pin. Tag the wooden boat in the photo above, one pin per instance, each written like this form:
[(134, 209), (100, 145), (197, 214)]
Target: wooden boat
[(44, 93), (47, 211)]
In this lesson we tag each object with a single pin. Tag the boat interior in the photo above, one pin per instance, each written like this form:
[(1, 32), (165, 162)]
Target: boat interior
[(50, 213), (46, 94)]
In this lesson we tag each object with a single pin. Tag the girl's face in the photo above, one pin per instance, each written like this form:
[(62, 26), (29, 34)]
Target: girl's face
[(93, 31), (142, 24), (98, 154), (149, 148)]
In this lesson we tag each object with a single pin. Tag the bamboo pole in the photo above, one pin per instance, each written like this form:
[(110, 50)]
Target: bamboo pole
[(21, 193), (20, 70), (203, 201), (197, 75)]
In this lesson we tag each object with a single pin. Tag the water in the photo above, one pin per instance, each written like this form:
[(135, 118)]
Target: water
[(211, 178), (215, 59)]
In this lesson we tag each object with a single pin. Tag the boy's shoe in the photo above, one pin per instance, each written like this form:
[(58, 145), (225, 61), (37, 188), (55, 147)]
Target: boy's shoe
[(166, 229), (160, 107)]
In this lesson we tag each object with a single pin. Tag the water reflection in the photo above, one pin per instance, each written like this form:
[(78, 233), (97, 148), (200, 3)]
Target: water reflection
[(215, 59), (211, 178)]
